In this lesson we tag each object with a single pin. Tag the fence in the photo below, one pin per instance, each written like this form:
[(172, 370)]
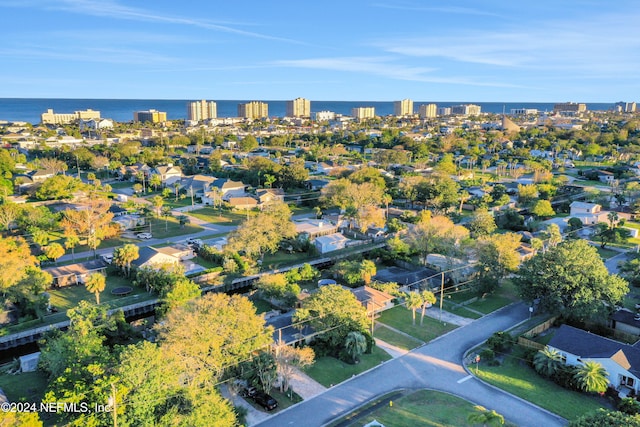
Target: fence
[(540, 328), (525, 342)]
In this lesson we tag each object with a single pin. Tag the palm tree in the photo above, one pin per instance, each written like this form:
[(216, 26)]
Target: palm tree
[(166, 213), (547, 361), (428, 299), (155, 181), (96, 284), (367, 271), (591, 376), (386, 199), (124, 255), (355, 344), (183, 220), (71, 241), (176, 187), (157, 202), (485, 417), (413, 302)]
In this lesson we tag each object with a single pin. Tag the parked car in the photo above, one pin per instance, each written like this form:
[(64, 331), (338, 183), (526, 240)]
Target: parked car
[(194, 242), (264, 400), (247, 391), (144, 236), (108, 258)]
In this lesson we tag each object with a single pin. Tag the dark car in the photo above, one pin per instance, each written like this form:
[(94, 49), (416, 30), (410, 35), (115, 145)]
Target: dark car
[(264, 400)]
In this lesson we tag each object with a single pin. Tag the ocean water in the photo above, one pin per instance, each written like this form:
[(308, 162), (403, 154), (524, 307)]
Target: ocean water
[(121, 110)]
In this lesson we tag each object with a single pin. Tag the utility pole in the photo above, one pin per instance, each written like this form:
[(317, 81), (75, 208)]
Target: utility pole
[(441, 295), (115, 405)]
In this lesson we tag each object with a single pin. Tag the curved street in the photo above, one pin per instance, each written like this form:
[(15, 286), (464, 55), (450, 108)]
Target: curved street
[(436, 365)]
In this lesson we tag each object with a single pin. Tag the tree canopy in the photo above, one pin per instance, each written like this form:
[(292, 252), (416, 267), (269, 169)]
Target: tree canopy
[(570, 279)]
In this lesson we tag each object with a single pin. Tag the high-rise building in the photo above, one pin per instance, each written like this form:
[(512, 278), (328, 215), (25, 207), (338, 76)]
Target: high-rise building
[(403, 108), (201, 110), (569, 107), (428, 111), (322, 116), (299, 107), (253, 110), (444, 111), (151, 116), (466, 109), (361, 113), (626, 107), (60, 119)]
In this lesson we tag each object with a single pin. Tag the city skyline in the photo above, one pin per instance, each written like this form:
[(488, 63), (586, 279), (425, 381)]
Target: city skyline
[(363, 50)]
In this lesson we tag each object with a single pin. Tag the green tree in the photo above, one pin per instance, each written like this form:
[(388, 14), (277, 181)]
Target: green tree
[(186, 335), (70, 242), (263, 232), (182, 291), (54, 251), (413, 301), (9, 213), (355, 344), (592, 377), (333, 312), (155, 181), (95, 284), (428, 299), (482, 415), (58, 187), (157, 202), (570, 279), (497, 257), (248, 143), (124, 256), (279, 287), (542, 209), (547, 361), (436, 234), (481, 223)]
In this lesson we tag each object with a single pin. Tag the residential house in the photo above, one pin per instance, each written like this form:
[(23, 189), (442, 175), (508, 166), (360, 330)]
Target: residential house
[(27, 180), (588, 213), (178, 250), (197, 186), (621, 361), (169, 174), (312, 228), (331, 242), (372, 299), (74, 274), (606, 177), (316, 184), (270, 195), (153, 258), (242, 202), (223, 189)]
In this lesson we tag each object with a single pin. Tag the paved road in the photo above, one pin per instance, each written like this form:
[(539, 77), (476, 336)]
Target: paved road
[(437, 366)]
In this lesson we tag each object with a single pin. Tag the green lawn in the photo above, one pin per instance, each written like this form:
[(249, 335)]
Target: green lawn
[(458, 310), (215, 216), (605, 253), (515, 376), (490, 304), (330, 371), (400, 318), (392, 337), (261, 305), (24, 387), (421, 408)]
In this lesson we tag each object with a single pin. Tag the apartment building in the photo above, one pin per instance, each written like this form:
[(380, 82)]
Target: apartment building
[(322, 116), (403, 108), (201, 110), (466, 109), (253, 110), (625, 107), (362, 113), (51, 118), (428, 111), (151, 116), (569, 107), (299, 107)]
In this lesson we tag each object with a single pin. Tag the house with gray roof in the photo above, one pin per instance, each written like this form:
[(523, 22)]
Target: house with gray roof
[(621, 361)]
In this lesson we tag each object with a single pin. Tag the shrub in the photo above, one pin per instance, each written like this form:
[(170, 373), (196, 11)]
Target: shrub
[(487, 355), (629, 405), (500, 342)]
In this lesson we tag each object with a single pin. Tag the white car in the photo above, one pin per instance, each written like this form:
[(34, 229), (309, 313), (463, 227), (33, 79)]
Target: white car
[(144, 236), (108, 258)]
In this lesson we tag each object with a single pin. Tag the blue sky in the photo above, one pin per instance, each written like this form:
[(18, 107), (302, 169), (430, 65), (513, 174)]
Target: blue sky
[(350, 50)]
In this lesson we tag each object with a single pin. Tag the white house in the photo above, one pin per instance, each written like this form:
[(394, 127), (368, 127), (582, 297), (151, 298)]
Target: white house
[(169, 174), (330, 242), (588, 213), (621, 361)]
